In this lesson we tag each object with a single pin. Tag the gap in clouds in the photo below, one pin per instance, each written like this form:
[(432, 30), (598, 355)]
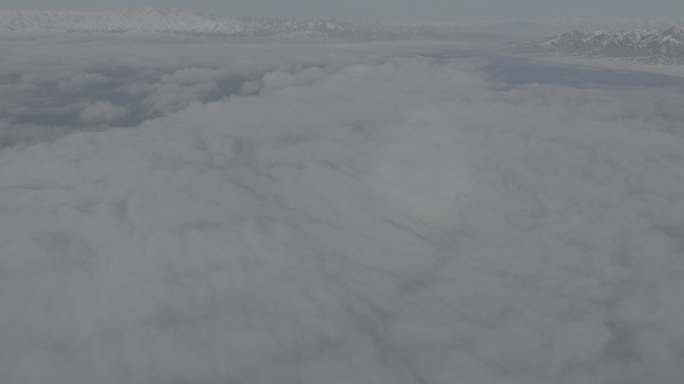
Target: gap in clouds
[(53, 87)]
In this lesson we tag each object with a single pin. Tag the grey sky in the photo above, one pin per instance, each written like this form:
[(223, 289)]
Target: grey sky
[(388, 9)]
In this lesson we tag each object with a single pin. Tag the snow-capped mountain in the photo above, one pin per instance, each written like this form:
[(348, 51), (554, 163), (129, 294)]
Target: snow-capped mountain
[(178, 21), (646, 46), (172, 20)]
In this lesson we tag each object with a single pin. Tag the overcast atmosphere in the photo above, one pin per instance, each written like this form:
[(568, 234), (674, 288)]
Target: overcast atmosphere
[(186, 200), (385, 9)]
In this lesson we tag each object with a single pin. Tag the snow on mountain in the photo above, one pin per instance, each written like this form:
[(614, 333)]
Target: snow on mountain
[(174, 20), (645, 46), (531, 27)]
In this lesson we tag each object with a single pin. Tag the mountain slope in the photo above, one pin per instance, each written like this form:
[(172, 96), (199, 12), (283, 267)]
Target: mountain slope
[(178, 21), (645, 46), (171, 20)]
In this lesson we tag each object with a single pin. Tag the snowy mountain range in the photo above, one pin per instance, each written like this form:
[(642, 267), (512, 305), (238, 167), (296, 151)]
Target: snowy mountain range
[(178, 21), (645, 46), (172, 20)]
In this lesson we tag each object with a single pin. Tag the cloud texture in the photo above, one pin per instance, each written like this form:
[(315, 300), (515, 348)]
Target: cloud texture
[(224, 212)]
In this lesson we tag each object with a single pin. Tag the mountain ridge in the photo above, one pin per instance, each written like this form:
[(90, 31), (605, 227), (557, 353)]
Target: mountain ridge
[(663, 45), (170, 20), (179, 21)]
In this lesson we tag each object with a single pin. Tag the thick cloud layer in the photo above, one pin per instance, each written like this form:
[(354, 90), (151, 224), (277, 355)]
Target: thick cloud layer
[(302, 213)]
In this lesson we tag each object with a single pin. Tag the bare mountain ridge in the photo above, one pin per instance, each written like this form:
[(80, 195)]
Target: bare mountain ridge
[(645, 46)]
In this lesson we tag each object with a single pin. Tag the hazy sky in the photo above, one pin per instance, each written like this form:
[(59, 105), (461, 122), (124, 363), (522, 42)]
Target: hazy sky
[(403, 9)]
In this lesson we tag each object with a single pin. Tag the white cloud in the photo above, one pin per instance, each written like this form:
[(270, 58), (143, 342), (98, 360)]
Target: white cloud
[(168, 98), (188, 76), (102, 112), (82, 80), (365, 216)]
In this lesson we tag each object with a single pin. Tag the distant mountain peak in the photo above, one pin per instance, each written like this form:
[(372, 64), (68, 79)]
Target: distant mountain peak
[(148, 19), (178, 21), (674, 31), (663, 45)]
